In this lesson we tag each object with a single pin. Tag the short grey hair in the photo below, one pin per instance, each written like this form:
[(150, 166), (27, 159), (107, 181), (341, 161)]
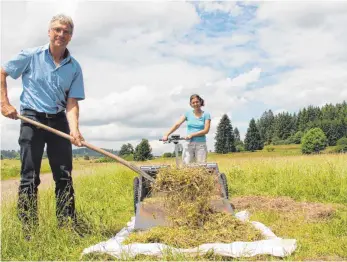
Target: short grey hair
[(64, 19)]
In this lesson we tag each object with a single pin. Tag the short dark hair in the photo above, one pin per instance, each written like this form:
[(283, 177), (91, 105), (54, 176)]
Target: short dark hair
[(202, 102)]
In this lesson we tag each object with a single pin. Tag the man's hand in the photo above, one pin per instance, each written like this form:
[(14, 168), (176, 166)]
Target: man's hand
[(9, 111), (77, 138), (165, 138)]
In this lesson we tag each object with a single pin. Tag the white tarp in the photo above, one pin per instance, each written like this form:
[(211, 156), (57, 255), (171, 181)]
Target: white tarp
[(271, 245)]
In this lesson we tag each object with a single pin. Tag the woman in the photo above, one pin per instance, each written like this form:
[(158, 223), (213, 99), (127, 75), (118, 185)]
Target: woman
[(198, 125)]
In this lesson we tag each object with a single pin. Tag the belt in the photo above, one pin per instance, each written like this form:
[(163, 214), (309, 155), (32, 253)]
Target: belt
[(30, 112)]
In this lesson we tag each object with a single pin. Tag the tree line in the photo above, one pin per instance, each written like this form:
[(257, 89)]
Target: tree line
[(288, 128), (78, 152), (284, 128), (142, 152), (9, 154)]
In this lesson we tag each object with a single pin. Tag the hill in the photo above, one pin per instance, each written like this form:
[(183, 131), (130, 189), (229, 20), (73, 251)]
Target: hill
[(79, 152)]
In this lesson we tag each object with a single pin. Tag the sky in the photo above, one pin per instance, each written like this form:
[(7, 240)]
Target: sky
[(142, 60)]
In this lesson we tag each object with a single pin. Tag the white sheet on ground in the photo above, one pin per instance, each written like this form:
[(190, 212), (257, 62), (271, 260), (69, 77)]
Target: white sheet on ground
[(272, 245)]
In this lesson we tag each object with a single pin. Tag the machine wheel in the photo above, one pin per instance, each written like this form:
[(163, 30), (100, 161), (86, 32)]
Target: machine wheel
[(145, 189), (225, 184), (136, 184)]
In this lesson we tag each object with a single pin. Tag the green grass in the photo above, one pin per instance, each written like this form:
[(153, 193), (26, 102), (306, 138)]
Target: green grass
[(325, 240), (10, 168), (320, 178), (105, 203)]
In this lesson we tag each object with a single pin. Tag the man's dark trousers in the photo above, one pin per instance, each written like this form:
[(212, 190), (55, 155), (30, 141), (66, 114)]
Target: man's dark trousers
[(32, 141)]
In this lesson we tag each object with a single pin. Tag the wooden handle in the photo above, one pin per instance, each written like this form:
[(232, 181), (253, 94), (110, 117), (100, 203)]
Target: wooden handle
[(90, 146)]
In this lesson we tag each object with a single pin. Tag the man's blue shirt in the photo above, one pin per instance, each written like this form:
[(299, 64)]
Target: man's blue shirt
[(46, 87), (196, 124)]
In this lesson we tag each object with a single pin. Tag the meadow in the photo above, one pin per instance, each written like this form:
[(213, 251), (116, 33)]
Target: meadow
[(297, 196), (10, 168)]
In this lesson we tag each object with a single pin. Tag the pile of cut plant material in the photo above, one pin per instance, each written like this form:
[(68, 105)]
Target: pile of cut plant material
[(186, 195)]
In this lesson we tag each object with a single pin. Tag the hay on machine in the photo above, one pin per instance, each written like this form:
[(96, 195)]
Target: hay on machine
[(187, 196)]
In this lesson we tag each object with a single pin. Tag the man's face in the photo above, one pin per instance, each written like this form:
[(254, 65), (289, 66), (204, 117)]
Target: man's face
[(59, 34)]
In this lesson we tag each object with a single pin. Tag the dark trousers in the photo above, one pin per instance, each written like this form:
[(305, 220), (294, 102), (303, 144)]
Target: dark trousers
[(32, 141)]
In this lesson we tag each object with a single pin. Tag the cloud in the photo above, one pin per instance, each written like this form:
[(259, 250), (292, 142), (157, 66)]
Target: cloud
[(303, 34), (141, 61), (304, 86), (230, 7), (307, 38), (241, 80)]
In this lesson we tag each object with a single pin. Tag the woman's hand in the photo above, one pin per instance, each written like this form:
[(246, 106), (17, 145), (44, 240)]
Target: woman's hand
[(165, 138), (188, 137)]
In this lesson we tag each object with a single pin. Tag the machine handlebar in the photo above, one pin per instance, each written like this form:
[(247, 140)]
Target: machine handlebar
[(173, 138)]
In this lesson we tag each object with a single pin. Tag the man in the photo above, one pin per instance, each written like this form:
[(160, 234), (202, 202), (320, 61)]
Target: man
[(52, 83)]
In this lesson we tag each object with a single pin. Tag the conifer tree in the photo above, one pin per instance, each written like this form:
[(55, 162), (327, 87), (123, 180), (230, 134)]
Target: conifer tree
[(253, 140), (265, 126), (225, 140), (237, 136)]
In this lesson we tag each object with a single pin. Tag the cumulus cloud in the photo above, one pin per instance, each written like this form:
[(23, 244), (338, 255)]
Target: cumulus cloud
[(303, 33), (309, 38), (230, 7), (304, 86), (141, 61)]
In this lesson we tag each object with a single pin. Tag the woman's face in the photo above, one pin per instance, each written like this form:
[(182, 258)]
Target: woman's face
[(195, 103)]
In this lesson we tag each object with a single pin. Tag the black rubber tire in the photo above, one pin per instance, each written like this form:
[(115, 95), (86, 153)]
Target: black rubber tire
[(145, 189), (136, 184), (225, 184)]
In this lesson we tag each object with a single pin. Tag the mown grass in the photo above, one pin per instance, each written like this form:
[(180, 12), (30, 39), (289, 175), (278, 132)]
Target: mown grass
[(105, 202), (321, 178), (319, 240), (192, 218)]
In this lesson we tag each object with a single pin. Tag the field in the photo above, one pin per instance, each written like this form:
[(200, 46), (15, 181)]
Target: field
[(10, 168), (301, 197)]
